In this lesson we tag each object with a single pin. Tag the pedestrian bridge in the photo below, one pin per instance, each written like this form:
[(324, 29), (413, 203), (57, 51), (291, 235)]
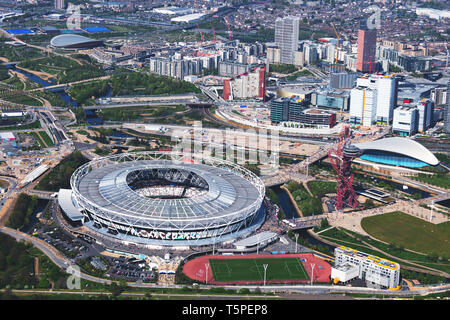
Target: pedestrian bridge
[(305, 222)]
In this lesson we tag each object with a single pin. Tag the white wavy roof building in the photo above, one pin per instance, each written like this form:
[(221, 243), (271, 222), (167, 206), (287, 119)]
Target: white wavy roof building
[(401, 146), (74, 41)]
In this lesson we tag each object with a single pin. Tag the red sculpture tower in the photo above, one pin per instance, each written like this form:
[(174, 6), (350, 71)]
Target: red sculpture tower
[(341, 158)]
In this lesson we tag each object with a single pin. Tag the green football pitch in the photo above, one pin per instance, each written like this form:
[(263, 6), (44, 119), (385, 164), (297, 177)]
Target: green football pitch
[(253, 270)]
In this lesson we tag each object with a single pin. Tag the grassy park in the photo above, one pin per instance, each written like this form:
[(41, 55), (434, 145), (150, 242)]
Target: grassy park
[(410, 232)]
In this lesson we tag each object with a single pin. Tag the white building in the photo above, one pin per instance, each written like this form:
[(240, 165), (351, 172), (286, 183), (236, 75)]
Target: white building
[(363, 103), (274, 55), (405, 120), (344, 272), (189, 18), (286, 37), (372, 269), (386, 95), (299, 58), (172, 10)]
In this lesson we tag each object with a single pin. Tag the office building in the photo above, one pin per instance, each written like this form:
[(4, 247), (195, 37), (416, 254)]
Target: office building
[(386, 100), (294, 113), (405, 120), (339, 100), (363, 102), (374, 270), (367, 41), (343, 80), (426, 111), (447, 110), (282, 109), (286, 37)]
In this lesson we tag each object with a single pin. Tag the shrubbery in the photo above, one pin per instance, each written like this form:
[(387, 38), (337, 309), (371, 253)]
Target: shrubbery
[(23, 210)]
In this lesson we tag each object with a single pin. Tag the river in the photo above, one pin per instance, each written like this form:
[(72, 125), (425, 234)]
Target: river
[(44, 84)]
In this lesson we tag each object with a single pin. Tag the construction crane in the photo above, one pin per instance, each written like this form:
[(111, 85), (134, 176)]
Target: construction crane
[(228, 25), (212, 27), (337, 43), (201, 34)]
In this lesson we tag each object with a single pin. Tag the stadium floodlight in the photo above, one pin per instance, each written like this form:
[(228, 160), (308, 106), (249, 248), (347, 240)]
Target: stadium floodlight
[(312, 272), (257, 244), (207, 267), (296, 241), (265, 271)]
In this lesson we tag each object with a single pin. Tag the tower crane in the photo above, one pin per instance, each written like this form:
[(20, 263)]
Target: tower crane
[(228, 25), (212, 27), (337, 43), (201, 34)]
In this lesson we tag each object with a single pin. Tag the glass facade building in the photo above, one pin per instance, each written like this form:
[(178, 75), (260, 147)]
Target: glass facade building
[(393, 159)]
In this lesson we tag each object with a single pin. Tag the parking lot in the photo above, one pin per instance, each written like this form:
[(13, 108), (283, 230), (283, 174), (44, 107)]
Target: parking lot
[(131, 269)]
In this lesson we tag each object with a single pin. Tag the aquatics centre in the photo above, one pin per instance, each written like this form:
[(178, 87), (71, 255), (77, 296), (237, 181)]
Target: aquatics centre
[(165, 199)]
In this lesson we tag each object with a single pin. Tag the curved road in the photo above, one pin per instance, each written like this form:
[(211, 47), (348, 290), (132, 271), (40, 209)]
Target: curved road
[(64, 262)]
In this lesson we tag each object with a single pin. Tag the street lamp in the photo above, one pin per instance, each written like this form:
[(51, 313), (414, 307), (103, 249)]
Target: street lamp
[(431, 213), (206, 266), (265, 270), (257, 244), (312, 272)]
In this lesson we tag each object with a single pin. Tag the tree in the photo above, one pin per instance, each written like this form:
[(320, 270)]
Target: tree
[(324, 224), (115, 289)]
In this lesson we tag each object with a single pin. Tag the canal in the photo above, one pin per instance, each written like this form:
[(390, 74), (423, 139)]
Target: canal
[(67, 99), (285, 203)]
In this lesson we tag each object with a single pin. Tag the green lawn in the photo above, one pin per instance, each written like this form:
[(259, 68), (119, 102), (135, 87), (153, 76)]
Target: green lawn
[(253, 270), (410, 232), (46, 138)]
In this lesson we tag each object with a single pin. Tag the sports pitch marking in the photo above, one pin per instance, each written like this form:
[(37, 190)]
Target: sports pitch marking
[(251, 269)]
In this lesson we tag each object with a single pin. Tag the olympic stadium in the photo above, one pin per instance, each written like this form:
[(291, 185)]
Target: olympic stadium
[(165, 199)]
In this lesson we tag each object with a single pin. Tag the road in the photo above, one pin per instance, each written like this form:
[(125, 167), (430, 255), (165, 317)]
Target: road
[(69, 84), (64, 262), (137, 104)]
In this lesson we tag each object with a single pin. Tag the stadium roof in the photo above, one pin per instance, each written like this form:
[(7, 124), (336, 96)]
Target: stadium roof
[(189, 17), (403, 146), (255, 239), (66, 203), (227, 194), (72, 40)]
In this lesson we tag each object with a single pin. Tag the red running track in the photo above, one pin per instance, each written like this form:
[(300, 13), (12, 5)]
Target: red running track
[(196, 269)]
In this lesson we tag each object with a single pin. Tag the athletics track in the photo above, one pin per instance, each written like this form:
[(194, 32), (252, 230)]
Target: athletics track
[(196, 270)]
